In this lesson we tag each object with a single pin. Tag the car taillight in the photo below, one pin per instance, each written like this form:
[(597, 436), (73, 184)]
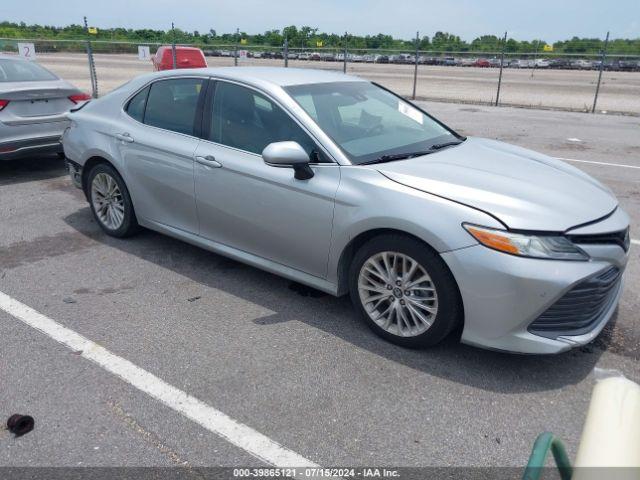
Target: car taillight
[(80, 97), (3, 103)]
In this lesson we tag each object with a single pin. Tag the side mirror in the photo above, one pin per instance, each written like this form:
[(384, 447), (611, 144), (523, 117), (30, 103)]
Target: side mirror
[(288, 154)]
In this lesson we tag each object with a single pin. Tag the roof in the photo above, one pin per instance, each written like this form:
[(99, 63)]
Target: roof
[(180, 47), (273, 76)]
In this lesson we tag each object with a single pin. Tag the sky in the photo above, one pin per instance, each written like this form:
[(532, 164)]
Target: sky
[(524, 20)]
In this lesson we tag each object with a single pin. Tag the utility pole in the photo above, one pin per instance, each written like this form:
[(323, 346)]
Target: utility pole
[(235, 50), (286, 52), (535, 57), (344, 63), (173, 46), (415, 70), (92, 65), (602, 57), (504, 46)]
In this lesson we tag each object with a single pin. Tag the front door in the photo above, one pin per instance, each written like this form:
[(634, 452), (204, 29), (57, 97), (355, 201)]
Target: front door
[(253, 207)]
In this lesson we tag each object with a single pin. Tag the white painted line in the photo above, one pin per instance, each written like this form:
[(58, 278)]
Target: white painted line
[(622, 165), (635, 242), (204, 415)]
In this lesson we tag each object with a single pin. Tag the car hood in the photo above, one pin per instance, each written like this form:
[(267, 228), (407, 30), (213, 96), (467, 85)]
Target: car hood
[(525, 190)]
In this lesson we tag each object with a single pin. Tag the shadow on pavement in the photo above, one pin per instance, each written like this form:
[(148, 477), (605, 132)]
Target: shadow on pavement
[(492, 371), (31, 169)]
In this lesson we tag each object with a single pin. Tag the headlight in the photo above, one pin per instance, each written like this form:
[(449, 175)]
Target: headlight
[(535, 246)]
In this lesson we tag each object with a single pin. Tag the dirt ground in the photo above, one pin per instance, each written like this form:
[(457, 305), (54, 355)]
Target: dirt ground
[(561, 89)]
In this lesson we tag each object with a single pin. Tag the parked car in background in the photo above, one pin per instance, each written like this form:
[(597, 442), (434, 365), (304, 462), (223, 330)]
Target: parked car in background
[(516, 250), (450, 62), (521, 63), (211, 53), (427, 60), (626, 65), (303, 56), (382, 59), (494, 62), (581, 64), (33, 107), (560, 63), (482, 63), (541, 63), (186, 57)]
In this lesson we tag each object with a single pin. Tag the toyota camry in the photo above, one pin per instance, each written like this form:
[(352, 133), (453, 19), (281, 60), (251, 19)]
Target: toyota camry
[(340, 184)]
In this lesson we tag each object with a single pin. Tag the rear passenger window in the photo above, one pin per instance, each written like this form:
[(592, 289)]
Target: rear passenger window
[(135, 107), (172, 104)]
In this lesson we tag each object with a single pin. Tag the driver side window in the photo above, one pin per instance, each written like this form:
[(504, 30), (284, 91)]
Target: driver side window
[(244, 119)]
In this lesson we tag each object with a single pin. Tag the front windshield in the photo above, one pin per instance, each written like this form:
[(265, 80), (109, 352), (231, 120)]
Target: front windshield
[(368, 122)]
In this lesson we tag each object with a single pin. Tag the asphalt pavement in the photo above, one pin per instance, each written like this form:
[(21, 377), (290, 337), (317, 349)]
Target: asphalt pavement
[(290, 364)]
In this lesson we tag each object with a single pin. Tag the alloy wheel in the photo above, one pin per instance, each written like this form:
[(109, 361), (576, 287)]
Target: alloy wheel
[(398, 294), (107, 200)]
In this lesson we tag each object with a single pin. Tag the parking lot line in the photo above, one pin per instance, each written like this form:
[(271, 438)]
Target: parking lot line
[(621, 165), (240, 435)]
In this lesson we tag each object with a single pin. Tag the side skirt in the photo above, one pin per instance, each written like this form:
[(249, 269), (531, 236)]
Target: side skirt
[(244, 257)]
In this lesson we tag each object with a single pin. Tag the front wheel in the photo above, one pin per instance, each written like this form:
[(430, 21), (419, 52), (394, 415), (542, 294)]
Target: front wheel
[(404, 291), (110, 202)]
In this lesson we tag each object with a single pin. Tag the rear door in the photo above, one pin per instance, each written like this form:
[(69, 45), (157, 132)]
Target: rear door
[(157, 143)]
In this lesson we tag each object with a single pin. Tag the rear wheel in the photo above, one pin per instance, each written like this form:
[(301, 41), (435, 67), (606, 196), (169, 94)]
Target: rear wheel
[(110, 202), (404, 291)]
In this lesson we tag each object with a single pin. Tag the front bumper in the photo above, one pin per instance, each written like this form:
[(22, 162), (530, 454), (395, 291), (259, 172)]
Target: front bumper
[(503, 294)]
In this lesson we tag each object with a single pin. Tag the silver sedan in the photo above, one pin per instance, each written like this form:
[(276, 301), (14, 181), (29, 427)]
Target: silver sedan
[(340, 184), (33, 104)]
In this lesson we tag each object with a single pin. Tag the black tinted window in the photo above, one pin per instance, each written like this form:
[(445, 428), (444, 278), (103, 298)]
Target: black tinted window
[(23, 71), (172, 104), (245, 119), (136, 105)]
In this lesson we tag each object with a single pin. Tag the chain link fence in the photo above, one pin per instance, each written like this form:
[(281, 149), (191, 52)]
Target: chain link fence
[(537, 79)]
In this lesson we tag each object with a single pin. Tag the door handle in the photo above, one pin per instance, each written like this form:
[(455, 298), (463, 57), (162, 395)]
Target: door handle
[(125, 137), (208, 161)]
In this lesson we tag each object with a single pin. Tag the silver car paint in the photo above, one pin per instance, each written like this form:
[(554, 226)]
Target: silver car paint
[(260, 220), (524, 189), (300, 229), (36, 114), (159, 167)]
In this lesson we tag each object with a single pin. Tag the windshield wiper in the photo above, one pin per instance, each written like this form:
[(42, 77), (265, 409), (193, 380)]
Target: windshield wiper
[(439, 146), (396, 156), (405, 156)]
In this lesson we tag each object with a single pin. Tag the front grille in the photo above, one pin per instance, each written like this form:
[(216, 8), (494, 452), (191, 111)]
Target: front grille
[(581, 308), (620, 238)]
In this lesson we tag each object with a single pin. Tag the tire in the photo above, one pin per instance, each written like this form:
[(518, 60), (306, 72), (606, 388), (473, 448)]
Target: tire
[(122, 221), (407, 329)]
